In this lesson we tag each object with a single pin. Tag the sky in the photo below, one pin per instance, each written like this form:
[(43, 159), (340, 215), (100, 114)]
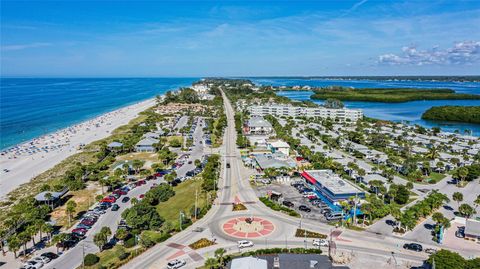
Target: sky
[(239, 38)]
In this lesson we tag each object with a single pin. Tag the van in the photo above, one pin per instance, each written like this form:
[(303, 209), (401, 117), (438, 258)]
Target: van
[(334, 215)]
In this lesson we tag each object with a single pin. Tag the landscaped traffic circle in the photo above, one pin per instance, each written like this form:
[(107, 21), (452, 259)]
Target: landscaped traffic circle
[(248, 227)]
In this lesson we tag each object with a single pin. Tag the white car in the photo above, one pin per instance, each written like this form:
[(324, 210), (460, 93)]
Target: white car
[(320, 242), (34, 264), (245, 244), (176, 264), (42, 259)]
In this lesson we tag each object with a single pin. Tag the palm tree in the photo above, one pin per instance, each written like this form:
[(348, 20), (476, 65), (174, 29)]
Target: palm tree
[(466, 210), (14, 245), (134, 201), (432, 153), (457, 197), (71, 206), (461, 173), (397, 214), (211, 263), (219, 255), (477, 201), (49, 198)]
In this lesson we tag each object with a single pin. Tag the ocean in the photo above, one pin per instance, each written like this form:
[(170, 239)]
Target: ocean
[(408, 112), (31, 107)]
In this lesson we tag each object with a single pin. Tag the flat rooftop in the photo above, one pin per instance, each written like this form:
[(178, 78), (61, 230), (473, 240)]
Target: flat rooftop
[(332, 182)]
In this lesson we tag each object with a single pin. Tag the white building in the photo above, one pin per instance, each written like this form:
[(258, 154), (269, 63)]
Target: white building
[(258, 126), (296, 111), (279, 146)]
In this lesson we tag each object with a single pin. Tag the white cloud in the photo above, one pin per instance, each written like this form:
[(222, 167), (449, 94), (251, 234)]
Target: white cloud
[(25, 46), (461, 53), (354, 7)]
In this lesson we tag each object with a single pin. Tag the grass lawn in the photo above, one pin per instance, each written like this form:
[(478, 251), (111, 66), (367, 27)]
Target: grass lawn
[(435, 177), (144, 156), (183, 200), (83, 198)]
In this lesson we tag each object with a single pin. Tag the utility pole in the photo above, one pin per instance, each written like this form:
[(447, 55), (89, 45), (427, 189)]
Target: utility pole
[(180, 219), (83, 255), (196, 198)]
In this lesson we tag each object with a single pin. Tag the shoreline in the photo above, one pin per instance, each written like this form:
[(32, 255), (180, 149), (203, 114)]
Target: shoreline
[(33, 157)]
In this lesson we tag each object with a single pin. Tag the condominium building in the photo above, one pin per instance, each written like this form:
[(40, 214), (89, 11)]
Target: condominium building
[(342, 114)]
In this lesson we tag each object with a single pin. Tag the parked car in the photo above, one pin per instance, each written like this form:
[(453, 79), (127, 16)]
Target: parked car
[(34, 264), (84, 226), (304, 208), (176, 264), (334, 215), (80, 231), (125, 199), (42, 259), (245, 244), (288, 204), (115, 207), (413, 246), (49, 255), (320, 242), (228, 165), (141, 196), (460, 233), (109, 199)]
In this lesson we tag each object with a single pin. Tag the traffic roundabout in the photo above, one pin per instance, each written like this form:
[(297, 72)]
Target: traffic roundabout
[(248, 227)]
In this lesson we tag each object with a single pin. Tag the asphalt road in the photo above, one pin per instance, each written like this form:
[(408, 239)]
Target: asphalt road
[(72, 258), (234, 183)]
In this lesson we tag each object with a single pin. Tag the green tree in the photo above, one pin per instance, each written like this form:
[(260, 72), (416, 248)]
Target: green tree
[(211, 263), (457, 197), (100, 239), (466, 210), (219, 255), (461, 173), (137, 165), (121, 234), (14, 244), (446, 259), (71, 206)]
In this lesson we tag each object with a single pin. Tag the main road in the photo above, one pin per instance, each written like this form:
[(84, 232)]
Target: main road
[(234, 186)]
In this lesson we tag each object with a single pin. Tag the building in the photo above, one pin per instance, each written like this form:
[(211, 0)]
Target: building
[(50, 197), (331, 186), (273, 160), (146, 145), (258, 126), (285, 261), (279, 146), (114, 146), (248, 263), (342, 114), (472, 229)]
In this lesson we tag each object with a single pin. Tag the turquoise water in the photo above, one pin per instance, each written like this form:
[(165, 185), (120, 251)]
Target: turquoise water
[(409, 112), (35, 106), (31, 107)]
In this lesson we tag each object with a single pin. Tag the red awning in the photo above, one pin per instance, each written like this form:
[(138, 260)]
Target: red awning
[(308, 177)]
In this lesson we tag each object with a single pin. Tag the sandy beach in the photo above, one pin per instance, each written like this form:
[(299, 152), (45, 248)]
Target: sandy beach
[(29, 159)]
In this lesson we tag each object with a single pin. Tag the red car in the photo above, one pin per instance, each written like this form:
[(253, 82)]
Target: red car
[(120, 192), (109, 199), (79, 231), (88, 222), (141, 196), (143, 182)]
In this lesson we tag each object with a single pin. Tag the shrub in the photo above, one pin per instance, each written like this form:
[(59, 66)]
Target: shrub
[(91, 259), (202, 243), (130, 242), (309, 234), (277, 207)]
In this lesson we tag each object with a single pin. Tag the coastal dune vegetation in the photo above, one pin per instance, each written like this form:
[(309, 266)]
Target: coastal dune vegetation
[(389, 95), (468, 114)]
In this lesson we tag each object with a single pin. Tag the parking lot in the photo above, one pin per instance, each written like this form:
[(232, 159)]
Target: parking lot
[(291, 194)]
